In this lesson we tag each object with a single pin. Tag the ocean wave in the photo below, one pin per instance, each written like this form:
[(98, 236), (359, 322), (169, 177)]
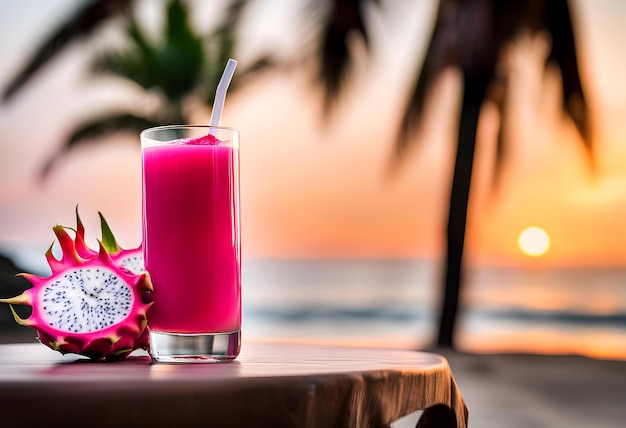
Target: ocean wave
[(330, 314), (617, 319)]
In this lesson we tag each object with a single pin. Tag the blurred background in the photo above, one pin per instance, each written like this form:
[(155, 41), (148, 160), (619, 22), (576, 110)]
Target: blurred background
[(345, 200)]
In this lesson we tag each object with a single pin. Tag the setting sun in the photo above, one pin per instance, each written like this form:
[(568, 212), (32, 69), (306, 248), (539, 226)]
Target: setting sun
[(534, 241)]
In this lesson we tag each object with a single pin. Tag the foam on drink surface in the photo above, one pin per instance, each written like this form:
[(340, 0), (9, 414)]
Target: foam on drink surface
[(205, 140)]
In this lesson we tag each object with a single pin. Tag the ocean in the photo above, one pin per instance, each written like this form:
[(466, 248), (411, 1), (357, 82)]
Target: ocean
[(395, 303)]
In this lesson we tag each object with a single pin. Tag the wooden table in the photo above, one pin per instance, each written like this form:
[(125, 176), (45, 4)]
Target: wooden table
[(269, 385)]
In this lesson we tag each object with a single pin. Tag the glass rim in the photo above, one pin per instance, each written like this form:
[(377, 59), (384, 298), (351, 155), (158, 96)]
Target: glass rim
[(186, 126)]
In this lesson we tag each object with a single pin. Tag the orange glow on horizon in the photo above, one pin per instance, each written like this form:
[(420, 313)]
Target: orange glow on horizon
[(543, 340)]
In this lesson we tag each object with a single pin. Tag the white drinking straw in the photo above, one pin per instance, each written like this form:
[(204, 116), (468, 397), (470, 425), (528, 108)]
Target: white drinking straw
[(220, 93)]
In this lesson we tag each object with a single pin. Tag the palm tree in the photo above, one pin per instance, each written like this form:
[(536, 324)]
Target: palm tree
[(469, 35), (178, 65)]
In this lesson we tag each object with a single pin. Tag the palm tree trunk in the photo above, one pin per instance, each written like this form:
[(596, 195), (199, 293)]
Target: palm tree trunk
[(475, 86)]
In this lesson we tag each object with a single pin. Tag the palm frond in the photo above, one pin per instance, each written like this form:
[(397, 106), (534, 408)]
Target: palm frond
[(346, 16), (172, 65), (446, 48), (99, 127), (136, 63), (106, 125), (180, 59), (563, 53), (500, 98), (80, 24), (440, 54)]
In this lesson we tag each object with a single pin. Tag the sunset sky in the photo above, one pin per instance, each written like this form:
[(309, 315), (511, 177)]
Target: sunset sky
[(314, 189)]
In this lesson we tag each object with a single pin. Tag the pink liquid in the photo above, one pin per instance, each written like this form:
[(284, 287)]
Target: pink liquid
[(191, 236)]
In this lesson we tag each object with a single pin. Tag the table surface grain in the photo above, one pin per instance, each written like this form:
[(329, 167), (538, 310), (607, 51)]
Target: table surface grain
[(269, 385)]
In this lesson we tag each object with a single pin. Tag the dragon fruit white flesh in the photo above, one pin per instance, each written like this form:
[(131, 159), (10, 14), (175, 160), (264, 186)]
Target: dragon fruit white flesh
[(89, 305)]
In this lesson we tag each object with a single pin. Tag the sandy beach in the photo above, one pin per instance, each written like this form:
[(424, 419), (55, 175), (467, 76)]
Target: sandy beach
[(524, 391)]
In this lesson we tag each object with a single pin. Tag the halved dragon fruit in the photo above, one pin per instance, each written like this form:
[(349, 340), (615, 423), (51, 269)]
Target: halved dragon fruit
[(89, 305), (131, 259)]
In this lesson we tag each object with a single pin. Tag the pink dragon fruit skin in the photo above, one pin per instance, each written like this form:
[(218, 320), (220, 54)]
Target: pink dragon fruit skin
[(88, 306), (131, 259)]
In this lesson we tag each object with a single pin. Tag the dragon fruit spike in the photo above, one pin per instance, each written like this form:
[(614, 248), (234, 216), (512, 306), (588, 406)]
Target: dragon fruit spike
[(131, 259), (81, 246), (87, 306), (108, 239)]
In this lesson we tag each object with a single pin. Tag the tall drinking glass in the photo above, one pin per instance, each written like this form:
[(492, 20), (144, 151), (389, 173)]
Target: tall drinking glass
[(191, 241)]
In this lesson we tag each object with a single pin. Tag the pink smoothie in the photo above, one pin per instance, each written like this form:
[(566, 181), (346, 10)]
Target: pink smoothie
[(191, 235)]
